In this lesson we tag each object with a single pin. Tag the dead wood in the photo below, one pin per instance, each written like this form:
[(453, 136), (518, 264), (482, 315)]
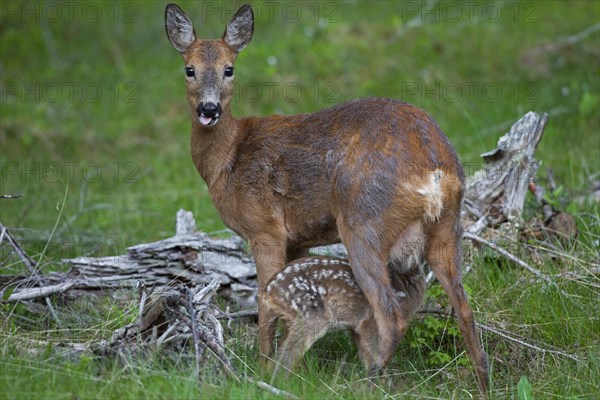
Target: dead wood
[(498, 190), (189, 257), (32, 266), (503, 333)]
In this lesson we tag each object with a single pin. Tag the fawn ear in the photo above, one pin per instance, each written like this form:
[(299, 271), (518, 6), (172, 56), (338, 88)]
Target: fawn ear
[(180, 29), (240, 28)]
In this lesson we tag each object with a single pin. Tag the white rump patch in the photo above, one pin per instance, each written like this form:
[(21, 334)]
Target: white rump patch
[(432, 191)]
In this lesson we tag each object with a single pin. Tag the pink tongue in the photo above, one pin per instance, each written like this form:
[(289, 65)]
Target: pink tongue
[(205, 120)]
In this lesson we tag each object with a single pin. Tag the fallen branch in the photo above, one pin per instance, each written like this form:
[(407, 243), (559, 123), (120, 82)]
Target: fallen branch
[(31, 265), (525, 344), (240, 314), (37, 292), (25, 259), (195, 330), (511, 257), (506, 336), (567, 41), (565, 256), (272, 389)]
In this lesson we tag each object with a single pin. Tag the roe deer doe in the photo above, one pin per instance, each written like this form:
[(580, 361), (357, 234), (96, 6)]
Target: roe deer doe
[(315, 295), (376, 174)]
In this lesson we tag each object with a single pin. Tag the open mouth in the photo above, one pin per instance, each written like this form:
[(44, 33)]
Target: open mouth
[(208, 121)]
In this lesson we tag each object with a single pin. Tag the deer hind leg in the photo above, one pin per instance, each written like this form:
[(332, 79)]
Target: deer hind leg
[(369, 269), (444, 258)]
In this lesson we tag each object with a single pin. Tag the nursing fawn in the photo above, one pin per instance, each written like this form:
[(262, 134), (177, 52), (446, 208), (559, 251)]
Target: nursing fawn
[(315, 295)]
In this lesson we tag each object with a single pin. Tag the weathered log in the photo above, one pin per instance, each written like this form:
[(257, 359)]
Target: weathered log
[(189, 257), (498, 190)]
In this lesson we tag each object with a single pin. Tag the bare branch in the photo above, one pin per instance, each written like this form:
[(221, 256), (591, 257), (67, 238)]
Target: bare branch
[(504, 335), (37, 292), (240, 314), (27, 261), (523, 343), (569, 40), (272, 389), (195, 329), (511, 257)]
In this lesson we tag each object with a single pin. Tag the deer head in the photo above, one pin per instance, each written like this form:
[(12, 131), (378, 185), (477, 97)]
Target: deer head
[(209, 64)]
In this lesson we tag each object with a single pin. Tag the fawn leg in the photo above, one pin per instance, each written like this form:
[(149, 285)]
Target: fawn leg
[(301, 335), (444, 259), (293, 253)]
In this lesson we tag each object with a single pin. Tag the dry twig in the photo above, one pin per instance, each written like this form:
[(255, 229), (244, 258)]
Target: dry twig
[(511, 257), (272, 389), (503, 334), (25, 259), (240, 314), (523, 343), (188, 302), (32, 267)]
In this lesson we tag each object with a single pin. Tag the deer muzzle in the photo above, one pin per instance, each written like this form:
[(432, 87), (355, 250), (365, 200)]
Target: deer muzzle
[(208, 113)]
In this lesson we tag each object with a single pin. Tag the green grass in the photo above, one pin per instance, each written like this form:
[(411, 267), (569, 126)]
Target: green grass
[(117, 163)]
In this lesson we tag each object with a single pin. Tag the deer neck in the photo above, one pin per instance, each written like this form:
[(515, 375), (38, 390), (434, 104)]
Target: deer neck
[(214, 148)]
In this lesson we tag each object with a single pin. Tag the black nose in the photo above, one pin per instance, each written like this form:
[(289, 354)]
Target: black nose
[(210, 110)]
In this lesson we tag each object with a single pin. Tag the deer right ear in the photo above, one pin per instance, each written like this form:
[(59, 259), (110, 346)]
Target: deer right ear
[(180, 29), (240, 28)]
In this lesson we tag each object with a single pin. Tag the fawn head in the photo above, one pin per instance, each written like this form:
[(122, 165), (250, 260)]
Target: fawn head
[(209, 63)]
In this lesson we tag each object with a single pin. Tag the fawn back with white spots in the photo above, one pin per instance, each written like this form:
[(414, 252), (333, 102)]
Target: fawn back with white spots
[(376, 174), (315, 295)]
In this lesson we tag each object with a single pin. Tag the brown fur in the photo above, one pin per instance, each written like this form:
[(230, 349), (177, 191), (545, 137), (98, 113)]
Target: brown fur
[(360, 172), (316, 295)]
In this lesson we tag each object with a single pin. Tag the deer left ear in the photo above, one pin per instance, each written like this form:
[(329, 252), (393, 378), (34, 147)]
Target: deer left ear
[(180, 29), (240, 28)]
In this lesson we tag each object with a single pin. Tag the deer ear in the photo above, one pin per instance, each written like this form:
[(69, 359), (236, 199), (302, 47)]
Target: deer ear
[(240, 28), (180, 29)]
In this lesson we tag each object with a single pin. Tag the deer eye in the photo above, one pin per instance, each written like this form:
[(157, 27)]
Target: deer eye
[(228, 72), (189, 72)]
